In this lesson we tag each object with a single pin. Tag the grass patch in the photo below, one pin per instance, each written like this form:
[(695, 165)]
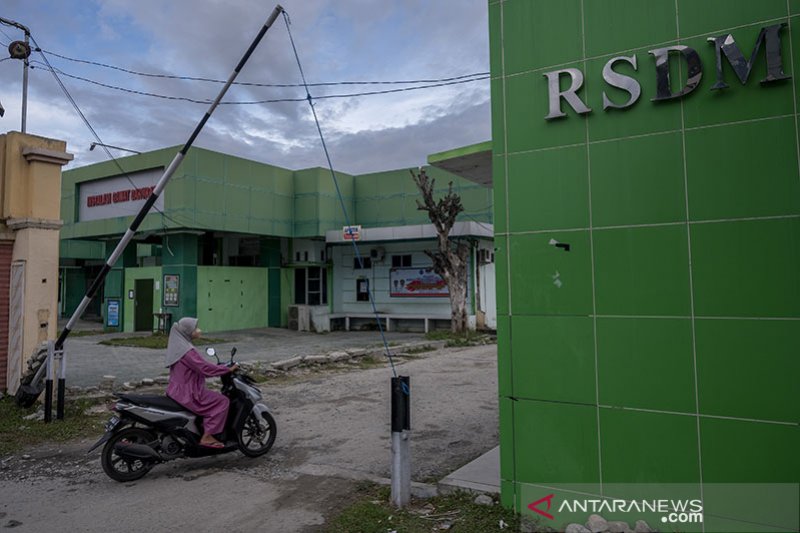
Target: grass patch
[(372, 513), (86, 333), (156, 341), (16, 433), (469, 338), (420, 349)]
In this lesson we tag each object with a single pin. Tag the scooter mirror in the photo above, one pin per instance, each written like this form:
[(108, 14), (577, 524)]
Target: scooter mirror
[(211, 352)]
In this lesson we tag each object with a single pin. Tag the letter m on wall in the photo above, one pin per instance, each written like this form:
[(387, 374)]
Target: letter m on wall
[(726, 45)]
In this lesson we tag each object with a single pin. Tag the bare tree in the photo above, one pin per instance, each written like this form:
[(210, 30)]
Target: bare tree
[(451, 259)]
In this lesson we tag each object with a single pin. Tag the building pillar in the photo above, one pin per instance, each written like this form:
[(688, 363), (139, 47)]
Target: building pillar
[(183, 263), (114, 285), (270, 257), (30, 185)]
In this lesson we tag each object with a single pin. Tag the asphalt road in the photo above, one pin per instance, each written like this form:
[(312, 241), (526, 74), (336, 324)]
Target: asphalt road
[(333, 429)]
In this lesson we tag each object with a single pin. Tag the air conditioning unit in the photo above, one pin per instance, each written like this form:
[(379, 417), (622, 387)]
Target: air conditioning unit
[(377, 254), (299, 318)]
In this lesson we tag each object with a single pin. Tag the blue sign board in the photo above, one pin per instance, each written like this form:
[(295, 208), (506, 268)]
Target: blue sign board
[(112, 313)]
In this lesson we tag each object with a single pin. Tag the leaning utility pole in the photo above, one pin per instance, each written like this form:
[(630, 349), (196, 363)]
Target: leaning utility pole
[(27, 394)]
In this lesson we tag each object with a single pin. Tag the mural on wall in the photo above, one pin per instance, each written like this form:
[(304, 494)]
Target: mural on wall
[(416, 282)]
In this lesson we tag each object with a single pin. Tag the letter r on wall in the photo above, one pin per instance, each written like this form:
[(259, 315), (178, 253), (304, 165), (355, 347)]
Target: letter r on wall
[(555, 93)]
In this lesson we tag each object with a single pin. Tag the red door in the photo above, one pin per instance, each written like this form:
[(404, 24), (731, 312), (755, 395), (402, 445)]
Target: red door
[(6, 248)]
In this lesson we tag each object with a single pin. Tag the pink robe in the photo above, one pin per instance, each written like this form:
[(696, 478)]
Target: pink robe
[(187, 386)]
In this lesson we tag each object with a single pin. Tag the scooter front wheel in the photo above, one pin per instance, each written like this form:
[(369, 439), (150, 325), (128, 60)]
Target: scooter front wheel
[(257, 434), (119, 468)]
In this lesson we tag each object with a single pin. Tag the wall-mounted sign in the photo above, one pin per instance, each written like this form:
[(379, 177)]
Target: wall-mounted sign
[(724, 46), (351, 233), (416, 282), (171, 290), (112, 313), (118, 196)]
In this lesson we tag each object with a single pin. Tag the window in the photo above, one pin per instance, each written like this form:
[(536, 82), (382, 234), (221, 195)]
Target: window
[(401, 261), (310, 286), (366, 260)]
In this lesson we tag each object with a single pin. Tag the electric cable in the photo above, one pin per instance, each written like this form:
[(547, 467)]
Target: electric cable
[(255, 84), (259, 102), (341, 199), (94, 132)]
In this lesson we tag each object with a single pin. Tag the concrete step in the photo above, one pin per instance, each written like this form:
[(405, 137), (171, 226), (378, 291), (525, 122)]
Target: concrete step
[(481, 476)]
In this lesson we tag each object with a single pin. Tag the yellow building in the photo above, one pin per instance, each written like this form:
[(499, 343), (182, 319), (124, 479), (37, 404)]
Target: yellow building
[(30, 220)]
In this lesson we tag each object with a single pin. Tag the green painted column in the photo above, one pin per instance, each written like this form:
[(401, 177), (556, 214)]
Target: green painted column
[(270, 257), (183, 263), (114, 286)]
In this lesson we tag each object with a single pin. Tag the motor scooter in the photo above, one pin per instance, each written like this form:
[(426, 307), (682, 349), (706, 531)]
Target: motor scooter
[(150, 429)]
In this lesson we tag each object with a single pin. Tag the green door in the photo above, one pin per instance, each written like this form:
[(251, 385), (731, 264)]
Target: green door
[(143, 305)]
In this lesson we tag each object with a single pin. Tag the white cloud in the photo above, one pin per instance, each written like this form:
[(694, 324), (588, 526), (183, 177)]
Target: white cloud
[(337, 41)]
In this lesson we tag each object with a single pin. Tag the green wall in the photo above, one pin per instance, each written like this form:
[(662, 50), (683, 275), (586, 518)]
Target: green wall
[(668, 351), (390, 198), (214, 191), (232, 298)]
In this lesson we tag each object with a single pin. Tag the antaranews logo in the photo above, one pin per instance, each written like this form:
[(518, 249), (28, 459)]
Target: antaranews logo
[(681, 511)]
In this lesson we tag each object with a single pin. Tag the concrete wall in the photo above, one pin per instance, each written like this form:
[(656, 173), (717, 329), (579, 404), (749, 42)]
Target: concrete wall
[(30, 170), (344, 280)]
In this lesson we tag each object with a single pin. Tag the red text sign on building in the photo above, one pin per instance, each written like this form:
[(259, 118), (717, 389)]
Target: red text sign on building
[(116, 197)]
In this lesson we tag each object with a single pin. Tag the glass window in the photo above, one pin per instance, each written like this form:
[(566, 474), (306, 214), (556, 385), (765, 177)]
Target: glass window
[(399, 261)]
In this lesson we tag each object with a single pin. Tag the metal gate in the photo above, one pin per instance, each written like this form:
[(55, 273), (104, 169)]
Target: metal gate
[(15, 325)]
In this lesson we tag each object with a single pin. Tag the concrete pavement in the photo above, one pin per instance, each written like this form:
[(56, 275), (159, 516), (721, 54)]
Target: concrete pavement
[(88, 361)]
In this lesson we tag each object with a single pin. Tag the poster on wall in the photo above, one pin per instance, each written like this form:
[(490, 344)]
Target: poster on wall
[(112, 313), (416, 283), (171, 290)]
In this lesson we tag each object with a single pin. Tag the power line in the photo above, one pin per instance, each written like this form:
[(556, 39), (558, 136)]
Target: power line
[(7, 35), (254, 84), (257, 102), (92, 130)]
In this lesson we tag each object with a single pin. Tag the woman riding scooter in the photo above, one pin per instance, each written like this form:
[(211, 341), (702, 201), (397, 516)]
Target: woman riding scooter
[(187, 374)]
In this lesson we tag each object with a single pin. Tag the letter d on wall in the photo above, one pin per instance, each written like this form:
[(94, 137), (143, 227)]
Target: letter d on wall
[(556, 94), (663, 86)]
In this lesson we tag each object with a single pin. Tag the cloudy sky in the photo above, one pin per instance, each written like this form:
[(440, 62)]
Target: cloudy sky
[(344, 40)]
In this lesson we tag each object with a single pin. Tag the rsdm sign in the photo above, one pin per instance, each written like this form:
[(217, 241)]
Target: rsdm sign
[(724, 45)]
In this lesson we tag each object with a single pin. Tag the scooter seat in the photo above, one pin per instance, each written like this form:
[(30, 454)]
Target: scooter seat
[(153, 400)]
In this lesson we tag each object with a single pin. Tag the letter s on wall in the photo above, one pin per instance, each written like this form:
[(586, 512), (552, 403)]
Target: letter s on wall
[(620, 81)]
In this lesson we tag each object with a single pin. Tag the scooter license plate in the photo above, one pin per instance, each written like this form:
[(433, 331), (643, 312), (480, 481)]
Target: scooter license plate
[(112, 423)]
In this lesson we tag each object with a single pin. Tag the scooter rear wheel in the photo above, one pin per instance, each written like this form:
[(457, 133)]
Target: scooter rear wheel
[(257, 434), (119, 468)]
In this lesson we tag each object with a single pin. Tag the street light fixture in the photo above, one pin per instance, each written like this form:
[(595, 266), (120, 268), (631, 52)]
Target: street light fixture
[(114, 147), (20, 50)]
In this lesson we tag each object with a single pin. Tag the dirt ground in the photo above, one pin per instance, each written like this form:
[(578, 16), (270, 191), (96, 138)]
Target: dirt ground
[(333, 430)]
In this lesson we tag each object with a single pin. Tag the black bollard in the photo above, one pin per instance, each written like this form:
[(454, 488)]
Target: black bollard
[(401, 441)]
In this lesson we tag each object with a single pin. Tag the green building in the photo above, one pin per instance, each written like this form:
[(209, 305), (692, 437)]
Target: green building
[(241, 244), (646, 173), (648, 251)]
